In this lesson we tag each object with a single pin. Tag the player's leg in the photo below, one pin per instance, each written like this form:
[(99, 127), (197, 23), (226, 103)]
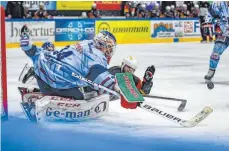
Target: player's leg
[(202, 29), (69, 93), (100, 75), (218, 50)]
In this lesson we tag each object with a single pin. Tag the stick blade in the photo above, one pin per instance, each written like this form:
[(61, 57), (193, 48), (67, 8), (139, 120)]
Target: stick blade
[(182, 106), (198, 118)]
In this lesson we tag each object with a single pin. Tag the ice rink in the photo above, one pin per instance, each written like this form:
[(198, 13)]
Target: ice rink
[(180, 71)]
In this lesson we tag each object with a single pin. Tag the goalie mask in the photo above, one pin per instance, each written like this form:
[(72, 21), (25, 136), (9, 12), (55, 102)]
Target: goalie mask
[(129, 64), (106, 42)]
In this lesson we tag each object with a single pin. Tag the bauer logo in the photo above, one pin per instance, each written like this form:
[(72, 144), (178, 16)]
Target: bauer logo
[(166, 115)]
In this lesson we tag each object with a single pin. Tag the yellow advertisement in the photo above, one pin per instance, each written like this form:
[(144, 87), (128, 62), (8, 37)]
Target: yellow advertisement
[(127, 31), (74, 5)]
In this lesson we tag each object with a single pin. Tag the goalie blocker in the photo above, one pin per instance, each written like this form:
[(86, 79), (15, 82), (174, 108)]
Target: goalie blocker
[(130, 96), (136, 85)]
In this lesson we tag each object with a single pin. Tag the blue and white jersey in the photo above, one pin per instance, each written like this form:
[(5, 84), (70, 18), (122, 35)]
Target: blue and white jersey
[(221, 10), (77, 58)]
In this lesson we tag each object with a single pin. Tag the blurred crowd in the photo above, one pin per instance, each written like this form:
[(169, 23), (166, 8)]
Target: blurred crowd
[(17, 10), (130, 9), (164, 9)]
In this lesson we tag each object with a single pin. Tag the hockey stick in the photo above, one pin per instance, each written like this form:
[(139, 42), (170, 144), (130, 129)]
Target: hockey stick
[(180, 108), (89, 81), (185, 123)]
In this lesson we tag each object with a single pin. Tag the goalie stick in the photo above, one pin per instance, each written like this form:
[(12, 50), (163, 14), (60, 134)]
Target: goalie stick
[(181, 106), (205, 112), (89, 81)]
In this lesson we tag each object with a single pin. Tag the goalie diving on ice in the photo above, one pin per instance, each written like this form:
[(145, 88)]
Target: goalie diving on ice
[(87, 58), (60, 74), (53, 71)]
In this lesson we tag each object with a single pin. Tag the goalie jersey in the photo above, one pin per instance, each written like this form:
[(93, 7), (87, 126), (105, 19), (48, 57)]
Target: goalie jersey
[(77, 58)]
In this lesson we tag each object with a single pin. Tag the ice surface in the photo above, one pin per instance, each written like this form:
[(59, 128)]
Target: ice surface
[(180, 71)]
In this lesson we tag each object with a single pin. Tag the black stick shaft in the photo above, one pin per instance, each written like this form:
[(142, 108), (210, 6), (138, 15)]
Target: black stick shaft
[(161, 97)]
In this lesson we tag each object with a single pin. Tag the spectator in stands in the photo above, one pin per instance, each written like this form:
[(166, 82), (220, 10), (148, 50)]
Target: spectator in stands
[(130, 9), (84, 15), (168, 13), (141, 14), (93, 13), (149, 8), (189, 5), (174, 12), (155, 13), (27, 13), (195, 11), (166, 3), (184, 12), (15, 9), (128, 15), (41, 13), (141, 10)]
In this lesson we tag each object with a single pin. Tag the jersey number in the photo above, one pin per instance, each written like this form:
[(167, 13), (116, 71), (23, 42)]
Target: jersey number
[(61, 55)]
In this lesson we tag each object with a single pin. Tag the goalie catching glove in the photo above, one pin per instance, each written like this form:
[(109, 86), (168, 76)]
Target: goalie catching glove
[(24, 41)]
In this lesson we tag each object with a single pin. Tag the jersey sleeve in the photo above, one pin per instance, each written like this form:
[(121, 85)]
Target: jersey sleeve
[(115, 69), (32, 52)]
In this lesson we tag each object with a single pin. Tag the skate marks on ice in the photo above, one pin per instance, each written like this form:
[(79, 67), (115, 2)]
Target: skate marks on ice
[(223, 83)]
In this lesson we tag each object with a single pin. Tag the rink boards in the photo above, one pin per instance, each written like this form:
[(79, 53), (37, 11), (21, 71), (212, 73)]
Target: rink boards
[(127, 31)]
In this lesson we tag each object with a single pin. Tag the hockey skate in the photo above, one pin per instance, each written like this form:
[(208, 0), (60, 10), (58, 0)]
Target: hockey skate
[(208, 79)]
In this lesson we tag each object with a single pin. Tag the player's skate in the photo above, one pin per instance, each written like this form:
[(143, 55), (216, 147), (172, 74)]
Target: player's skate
[(208, 79)]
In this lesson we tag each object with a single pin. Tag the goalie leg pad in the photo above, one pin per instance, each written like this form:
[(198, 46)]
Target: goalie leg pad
[(54, 108)]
